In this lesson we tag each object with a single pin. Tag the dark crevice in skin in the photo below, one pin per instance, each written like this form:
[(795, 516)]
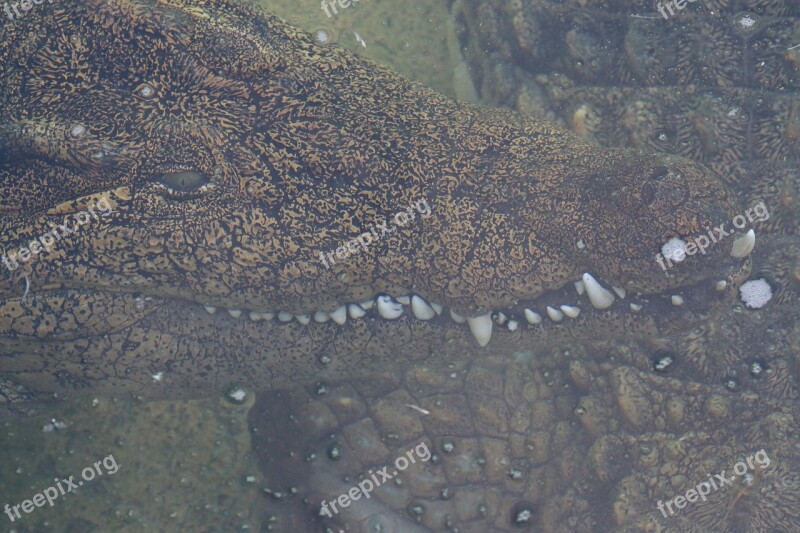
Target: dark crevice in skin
[(238, 165)]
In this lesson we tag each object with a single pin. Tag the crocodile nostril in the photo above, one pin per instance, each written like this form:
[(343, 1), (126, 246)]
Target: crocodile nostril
[(648, 193), (659, 173), (184, 180)]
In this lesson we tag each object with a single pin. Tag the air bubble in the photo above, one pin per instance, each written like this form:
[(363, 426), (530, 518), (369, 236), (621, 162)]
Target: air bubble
[(324, 36), (746, 22)]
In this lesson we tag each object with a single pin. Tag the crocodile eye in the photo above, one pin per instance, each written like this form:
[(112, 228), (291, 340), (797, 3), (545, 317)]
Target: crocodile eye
[(184, 182)]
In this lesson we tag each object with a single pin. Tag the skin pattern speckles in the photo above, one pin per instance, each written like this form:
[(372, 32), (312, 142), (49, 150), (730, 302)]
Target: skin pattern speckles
[(234, 149)]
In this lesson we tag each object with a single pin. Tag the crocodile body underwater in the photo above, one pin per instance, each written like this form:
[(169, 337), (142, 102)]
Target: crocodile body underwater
[(237, 163)]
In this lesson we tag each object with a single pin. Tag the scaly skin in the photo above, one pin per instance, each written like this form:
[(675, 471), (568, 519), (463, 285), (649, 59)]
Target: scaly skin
[(593, 438), (586, 438), (233, 149)]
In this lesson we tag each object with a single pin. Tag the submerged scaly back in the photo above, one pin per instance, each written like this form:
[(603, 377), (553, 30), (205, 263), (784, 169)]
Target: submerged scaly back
[(235, 152)]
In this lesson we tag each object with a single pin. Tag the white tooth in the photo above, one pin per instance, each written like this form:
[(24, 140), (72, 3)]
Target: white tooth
[(268, 316), (512, 325), (677, 300), (554, 314), (532, 317), (457, 318), (636, 307), (481, 328), (438, 308), (500, 318), (321, 317), (421, 309), (211, 310), (599, 296), (303, 319), (721, 284), (235, 313), (255, 316), (621, 292), (355, 311), (405, 300), (285, 316), (339, 315), (744, 245), (388, 308), (579, 287), (570, 311), (366, 306)]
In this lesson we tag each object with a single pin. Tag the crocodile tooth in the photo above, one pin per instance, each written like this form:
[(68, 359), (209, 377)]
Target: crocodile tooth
[(636, 307), (438, 308), (579, 287), (421, 309), (621, 292), (481, 328), (599, 296), (355, 311), (339, 315), (720, 285), (512, 325), (255, 316), (554, 314), (367, 305), (388, 308), (235, 313), (456, 317), (405, 300), (570, 311), (500, 318), (677, 300), (285, 316), (744, 245), (303, 319), (211, 310), (533, 317), (321, 317)]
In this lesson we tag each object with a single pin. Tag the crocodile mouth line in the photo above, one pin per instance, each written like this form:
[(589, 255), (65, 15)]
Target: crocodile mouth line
[(578, 298), (571, 303)]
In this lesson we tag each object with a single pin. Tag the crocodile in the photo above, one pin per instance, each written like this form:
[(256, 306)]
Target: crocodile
[(612, 436), (241, 165)]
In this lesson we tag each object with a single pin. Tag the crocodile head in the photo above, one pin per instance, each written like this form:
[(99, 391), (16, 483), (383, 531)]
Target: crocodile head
[(246, 204)]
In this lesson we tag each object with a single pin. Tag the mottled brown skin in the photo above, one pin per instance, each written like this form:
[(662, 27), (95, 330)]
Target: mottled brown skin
[(590, 438), (293, 148)]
